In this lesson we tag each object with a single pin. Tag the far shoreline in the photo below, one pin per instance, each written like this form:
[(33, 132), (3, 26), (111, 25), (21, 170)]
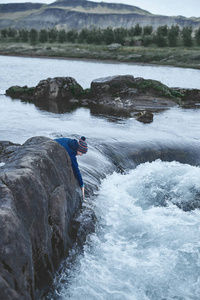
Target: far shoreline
[(99, 60)]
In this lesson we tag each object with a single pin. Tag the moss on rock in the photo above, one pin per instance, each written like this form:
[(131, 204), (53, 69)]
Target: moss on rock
[(20, 91)]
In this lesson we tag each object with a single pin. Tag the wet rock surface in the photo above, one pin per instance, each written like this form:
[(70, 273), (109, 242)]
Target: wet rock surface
[(144, 117), (39, 198)]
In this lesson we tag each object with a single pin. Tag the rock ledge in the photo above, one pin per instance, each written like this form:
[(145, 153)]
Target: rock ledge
[(39, 199)]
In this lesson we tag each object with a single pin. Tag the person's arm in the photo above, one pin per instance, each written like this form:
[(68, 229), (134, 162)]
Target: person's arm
[(64, 142), (83, 191), (77, 174)]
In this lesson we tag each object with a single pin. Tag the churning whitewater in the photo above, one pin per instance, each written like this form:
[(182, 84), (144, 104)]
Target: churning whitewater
[(147, 241)]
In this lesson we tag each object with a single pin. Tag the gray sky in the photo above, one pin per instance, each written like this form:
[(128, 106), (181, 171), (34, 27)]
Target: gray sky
[(163, 7)]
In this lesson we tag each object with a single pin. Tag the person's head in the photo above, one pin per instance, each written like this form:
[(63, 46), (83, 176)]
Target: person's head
[(82, 146)]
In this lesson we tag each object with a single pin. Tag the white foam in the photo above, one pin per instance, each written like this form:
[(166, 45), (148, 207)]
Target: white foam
[(142, 249)]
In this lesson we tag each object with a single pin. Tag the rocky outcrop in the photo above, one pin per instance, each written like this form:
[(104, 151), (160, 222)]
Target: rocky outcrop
[(56, 89), (39, 198), (122, 95), (131, 94), (80, 14), (59, 94), (190, 97)]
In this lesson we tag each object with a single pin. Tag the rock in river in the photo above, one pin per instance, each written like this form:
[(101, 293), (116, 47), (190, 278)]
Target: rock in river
[(121, 95), (39, 197)]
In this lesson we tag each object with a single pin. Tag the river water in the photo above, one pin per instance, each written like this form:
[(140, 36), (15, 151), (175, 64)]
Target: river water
[(147, 240)]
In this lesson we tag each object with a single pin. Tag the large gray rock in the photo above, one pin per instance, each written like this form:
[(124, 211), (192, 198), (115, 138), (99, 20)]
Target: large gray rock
[(131, 94), (39, 197), (59, 94), (58, 88), (111, 86), (52, 90)]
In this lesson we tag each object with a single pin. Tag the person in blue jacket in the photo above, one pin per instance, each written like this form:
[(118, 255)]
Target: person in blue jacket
[(74, 148)]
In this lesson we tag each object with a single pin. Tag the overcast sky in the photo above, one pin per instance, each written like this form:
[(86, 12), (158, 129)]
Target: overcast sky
[(187, 8)]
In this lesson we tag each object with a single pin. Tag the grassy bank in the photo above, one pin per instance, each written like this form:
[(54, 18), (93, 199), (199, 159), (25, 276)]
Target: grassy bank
[(178, 57)]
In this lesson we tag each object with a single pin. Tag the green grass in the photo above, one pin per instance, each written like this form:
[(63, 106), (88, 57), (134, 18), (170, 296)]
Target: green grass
[(179, 57)]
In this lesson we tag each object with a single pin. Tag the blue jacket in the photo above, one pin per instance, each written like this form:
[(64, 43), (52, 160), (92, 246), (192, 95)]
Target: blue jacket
[(71, 146)]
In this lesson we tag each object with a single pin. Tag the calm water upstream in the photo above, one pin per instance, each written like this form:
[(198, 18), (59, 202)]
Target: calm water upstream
[(145, 246)]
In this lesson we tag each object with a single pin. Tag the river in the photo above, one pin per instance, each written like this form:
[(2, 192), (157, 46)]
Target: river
[(147, 240)]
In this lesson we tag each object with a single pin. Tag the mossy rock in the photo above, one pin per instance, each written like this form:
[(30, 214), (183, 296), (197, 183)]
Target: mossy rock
[(149, 85), (20, 92)]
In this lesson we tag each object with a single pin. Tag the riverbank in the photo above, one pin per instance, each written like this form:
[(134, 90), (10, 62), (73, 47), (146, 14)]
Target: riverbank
[(177, 57)]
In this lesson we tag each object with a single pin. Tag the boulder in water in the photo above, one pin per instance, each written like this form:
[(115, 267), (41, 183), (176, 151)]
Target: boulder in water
[(108, 95), (127, 93), (58, 88), (144, 116)]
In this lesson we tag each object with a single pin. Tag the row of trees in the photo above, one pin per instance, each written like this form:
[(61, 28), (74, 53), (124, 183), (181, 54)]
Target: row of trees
[(162, 37)]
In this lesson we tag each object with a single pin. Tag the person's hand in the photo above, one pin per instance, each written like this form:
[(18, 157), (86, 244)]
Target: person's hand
[(83, 191)]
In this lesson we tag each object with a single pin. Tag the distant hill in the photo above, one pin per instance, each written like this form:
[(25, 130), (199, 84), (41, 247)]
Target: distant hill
[(78, 14)]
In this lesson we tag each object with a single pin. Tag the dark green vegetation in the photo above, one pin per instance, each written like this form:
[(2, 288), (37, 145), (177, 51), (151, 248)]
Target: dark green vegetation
[(144, 85), (166, 46), (22, 90), (145, 36)]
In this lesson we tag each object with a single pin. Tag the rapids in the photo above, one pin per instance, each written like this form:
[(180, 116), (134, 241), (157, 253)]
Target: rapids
[(142, 182), (145, 246)]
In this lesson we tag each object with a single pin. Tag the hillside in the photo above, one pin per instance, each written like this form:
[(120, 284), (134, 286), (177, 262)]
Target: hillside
[(77, 14)]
